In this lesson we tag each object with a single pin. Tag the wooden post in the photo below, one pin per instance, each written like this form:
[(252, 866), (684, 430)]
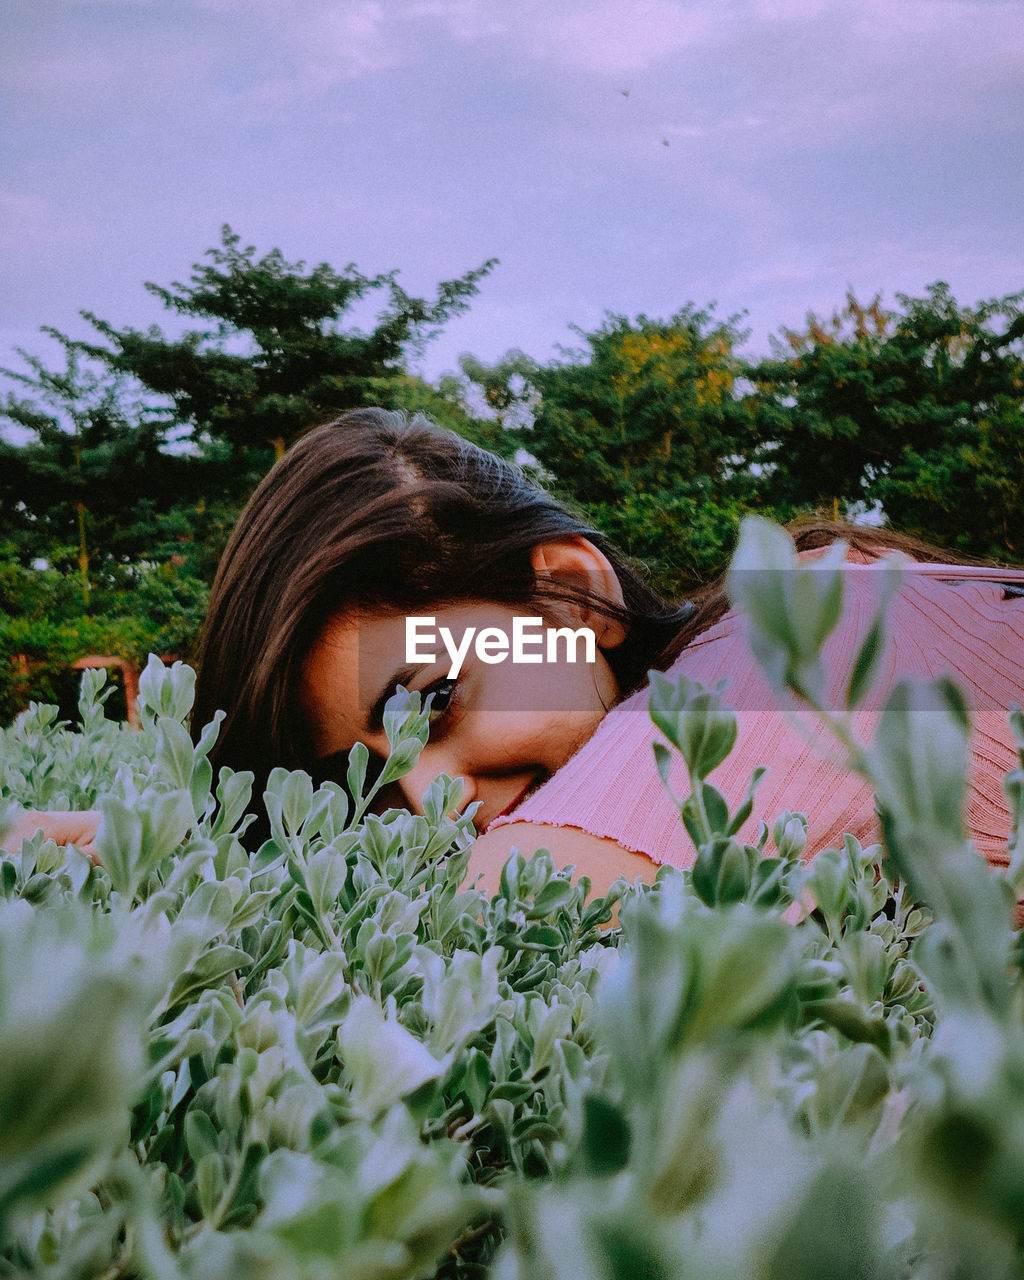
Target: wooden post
[(129, 674)]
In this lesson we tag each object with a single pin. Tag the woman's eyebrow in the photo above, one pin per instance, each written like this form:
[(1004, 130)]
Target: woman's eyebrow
[(402, 675)]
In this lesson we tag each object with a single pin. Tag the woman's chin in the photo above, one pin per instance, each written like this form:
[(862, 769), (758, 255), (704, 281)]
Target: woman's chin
[(527, 791)]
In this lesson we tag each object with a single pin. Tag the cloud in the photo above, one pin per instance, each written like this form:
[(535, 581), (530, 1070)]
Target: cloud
[(19, 212), (197, 56), (32, 224), (326, 44), (786, 10), (616, 37), (910, 266), (465, 20), (854, 68), (75, 76), (602, 37), (785, 71), (811, 143)]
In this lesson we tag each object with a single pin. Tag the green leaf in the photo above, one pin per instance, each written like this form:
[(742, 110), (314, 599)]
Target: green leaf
[(747, 805), (174, 755), (791, 608), (384, 1061), (555, 895), (211, 968), (119, 844), (919, 757), (355, 777), (851, 1020), (540, 938), (865, 664), (200, 1135), (211, 1182), (606, 1137)]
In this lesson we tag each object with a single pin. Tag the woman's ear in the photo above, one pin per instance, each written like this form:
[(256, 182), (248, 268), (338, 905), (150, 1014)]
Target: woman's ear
[(576, 562)]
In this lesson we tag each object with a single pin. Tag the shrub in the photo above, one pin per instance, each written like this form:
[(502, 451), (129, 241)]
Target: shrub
[(325, 1057)]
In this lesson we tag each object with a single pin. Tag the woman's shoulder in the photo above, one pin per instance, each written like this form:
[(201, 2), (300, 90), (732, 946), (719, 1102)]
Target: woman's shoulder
[(943, 620)]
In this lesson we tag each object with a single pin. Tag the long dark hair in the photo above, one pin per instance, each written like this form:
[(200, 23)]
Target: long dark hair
[(377, 510)]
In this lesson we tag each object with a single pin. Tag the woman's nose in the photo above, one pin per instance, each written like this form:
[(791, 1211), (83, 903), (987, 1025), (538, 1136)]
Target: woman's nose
[(423, 773)]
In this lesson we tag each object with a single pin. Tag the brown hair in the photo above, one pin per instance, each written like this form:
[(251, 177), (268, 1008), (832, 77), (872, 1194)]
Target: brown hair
[(378, 510)]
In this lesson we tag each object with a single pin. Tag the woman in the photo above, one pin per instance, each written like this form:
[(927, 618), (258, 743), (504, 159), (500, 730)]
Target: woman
[(372, 520)]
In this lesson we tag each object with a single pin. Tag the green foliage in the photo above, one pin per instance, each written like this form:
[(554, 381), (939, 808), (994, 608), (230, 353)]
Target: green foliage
[(144, 445), (272, 356), (107, 540), (835, 1097), (142, 448), (666, 437), (94, 490), (336, 1050), (918, 410), (44, 626), (641, 429), (326, 1056), (507, 389)]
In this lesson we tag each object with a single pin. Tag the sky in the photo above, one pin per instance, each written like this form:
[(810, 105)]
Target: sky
[(625, 156)]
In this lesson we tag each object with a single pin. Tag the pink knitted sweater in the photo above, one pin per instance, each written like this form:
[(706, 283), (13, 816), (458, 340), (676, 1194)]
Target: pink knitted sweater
[(946, 620)]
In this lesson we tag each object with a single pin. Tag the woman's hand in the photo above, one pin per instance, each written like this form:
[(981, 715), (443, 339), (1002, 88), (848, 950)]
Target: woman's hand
[(64, 827)]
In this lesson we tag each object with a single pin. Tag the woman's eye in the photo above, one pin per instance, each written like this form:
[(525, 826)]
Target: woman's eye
[(443, 696)]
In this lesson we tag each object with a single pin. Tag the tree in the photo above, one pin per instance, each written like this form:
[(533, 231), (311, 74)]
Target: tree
[(918, 410), (644, 429), (507, 390), (273, 356), (94, 486), (142, 447)]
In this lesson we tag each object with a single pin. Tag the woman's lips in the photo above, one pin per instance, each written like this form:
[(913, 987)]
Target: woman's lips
[(530, 787)]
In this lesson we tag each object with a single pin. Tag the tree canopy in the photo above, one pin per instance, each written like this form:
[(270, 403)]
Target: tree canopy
[(277, 349), (642, 427), (916, 411), (138, 451)]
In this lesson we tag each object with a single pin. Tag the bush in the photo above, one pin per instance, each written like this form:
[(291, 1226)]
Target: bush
[(325, 1057), (45, 627)]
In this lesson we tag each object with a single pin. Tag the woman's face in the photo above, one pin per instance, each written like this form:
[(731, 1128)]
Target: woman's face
[(503, 728)]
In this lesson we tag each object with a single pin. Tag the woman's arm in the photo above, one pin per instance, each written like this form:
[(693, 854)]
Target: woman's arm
[(61, 826), (603, 861)]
